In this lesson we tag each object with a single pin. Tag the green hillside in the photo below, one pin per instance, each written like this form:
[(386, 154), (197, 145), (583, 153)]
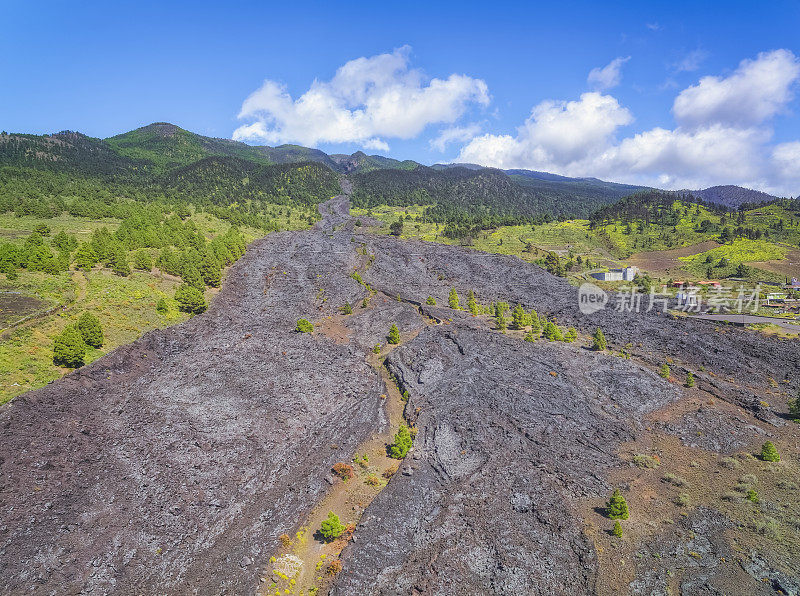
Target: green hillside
[(167, 146)]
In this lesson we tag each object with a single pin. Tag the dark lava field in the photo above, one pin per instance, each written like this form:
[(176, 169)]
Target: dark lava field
[(172, 465)]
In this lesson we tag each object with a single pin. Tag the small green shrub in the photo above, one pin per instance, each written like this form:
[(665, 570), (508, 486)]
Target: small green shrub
[(646, 461), (376, 349), (331, 527), (394, 335), (752, 495), (664, 371), (769, 452), (768, 527), (674, 480), (347, 309), (689, 379), (402, 443), (304, 326), (161, 306), (431, 301), (599, 341), (617, 506)]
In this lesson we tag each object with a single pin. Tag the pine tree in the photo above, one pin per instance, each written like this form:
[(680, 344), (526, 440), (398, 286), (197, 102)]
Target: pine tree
[(192, 278), (161, 306), (599, 343), (529, 336), (500, 317), (794, 408), (552, 332), (769, 452), (431, 301), (472, 304), (571, 335), (169, 262), (142, 260), (91, 331), (331, 527), (210, 269), (617, 531), (69, 348), (394, 335), (664, 371), (536, 325), (453, 299), (85, 257), (518, 317), (118, 260), (617, 506), (689, 379), (402, 443), (190, 299)]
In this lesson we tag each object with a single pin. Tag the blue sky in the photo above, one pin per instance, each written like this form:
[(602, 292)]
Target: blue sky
[(431, 81)]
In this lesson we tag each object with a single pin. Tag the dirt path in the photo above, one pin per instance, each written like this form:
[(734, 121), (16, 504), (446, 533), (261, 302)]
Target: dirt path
[(372, 468)]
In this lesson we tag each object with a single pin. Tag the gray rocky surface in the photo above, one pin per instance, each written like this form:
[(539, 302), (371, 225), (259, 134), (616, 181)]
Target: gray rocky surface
[(171, 465)]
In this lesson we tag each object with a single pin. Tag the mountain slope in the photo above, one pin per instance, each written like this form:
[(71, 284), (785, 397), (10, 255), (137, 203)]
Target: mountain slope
[(167, 146), (731, 196)]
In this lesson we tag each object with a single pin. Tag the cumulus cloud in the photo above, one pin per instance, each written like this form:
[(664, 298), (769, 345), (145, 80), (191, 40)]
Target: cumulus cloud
[(722, 136), (609, 76), (368, 100), (555, 133), (754, 92), (454, 134)]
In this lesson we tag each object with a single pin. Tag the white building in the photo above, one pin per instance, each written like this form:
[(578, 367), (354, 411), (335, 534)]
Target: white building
[(626, 274)]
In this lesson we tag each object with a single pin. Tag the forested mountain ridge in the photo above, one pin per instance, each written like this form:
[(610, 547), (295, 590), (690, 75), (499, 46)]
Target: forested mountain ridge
[(731, 196), (164, 160)]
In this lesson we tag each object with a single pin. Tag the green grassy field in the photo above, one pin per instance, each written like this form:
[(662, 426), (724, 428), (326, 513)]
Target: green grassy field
[(125, 306), (724, 260), (571, 235), (611, 245)]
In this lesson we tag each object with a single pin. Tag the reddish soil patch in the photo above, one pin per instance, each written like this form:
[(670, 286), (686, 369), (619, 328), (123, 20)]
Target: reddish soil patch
[(664, 262), (333, 328), (790, 266)]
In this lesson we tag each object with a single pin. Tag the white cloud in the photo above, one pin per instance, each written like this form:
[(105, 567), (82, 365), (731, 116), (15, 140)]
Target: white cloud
[(375, 144), (555, 133), (722, 135), (609, 76), (454, 134), (754, 92), (786, 160), (691, 61), (367, 101)]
